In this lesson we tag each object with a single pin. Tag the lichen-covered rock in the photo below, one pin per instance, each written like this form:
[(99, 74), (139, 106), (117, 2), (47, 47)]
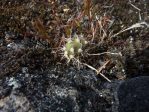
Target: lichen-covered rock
[(56, 90), (11, 100)]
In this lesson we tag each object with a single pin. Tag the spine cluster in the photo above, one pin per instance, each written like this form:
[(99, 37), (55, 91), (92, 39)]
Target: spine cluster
[(73, 47)]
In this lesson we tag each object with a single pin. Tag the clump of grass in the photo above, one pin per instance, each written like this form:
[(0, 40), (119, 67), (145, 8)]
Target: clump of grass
[(53, 21)]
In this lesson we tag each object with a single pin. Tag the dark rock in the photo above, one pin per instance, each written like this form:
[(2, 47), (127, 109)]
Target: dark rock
[(133, 95), (69, 90)]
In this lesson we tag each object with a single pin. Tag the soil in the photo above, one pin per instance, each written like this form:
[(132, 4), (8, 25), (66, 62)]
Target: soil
[(34, 75)]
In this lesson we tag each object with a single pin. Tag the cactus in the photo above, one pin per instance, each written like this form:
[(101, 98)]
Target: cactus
[(73, 47)]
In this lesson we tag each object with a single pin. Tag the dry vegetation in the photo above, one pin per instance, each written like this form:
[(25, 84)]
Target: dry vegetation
[(105, 26)]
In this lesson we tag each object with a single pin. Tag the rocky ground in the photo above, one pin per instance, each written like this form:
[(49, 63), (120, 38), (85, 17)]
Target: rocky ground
[(35, 77)]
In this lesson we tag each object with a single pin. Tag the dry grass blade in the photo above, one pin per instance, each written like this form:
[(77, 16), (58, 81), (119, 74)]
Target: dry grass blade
[(38, 25), (87, 6), (97, 71), (98, 54), (103, 33), (103, 67), (137, 25)]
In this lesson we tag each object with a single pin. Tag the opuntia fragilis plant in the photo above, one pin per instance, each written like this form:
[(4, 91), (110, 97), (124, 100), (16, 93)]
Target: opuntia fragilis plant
[(73, 47)]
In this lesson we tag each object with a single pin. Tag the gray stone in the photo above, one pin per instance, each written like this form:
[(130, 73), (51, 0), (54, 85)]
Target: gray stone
[(133, 95)]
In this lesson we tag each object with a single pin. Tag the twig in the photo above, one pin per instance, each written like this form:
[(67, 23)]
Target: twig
[(97, 71)]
